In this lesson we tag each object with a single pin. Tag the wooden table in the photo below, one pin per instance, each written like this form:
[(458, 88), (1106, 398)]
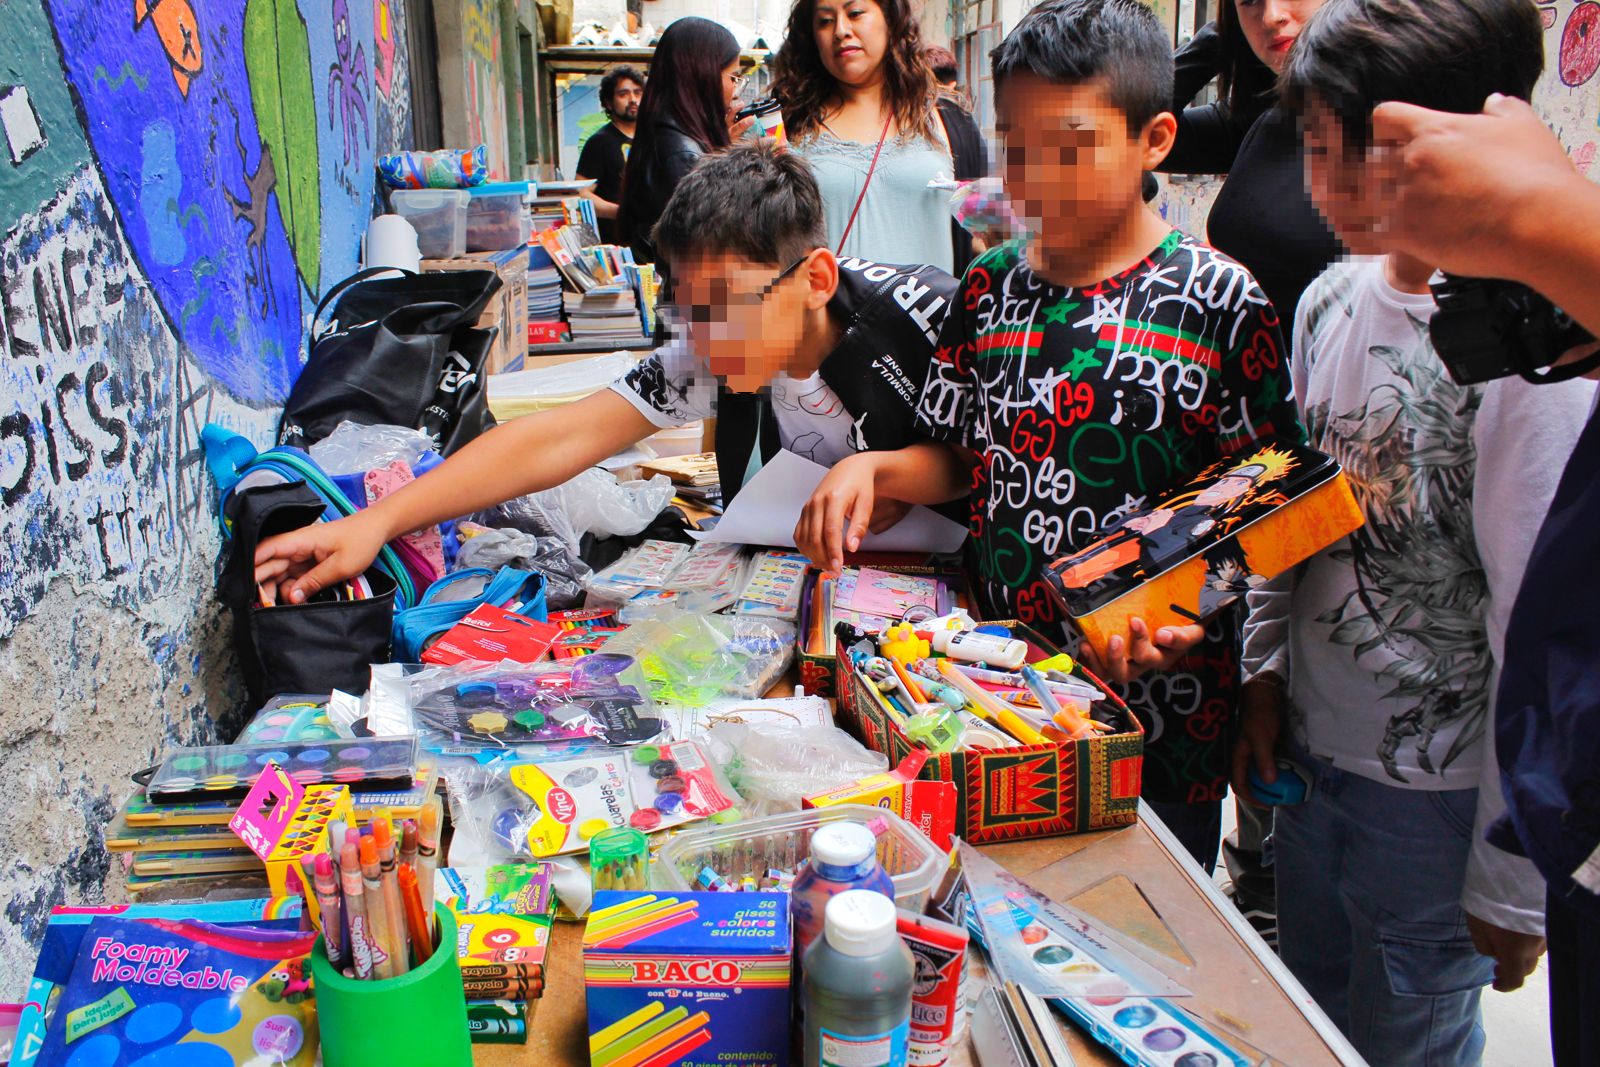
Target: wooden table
[(1136, 880)]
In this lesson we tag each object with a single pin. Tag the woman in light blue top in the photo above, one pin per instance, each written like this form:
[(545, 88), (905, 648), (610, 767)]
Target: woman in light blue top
[(854, 86)]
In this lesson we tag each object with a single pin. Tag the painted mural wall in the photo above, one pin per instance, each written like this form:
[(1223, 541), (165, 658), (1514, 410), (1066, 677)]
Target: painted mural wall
[(179, 181)]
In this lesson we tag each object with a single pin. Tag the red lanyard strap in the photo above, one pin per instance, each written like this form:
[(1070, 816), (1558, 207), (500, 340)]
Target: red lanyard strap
[(870, 169)]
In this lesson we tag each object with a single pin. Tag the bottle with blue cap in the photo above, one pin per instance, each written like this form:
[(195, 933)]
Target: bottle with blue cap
[(844, 856), (858, 981)]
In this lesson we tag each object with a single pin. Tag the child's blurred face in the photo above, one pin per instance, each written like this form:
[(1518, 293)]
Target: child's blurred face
[(1072, 168), (1345, 183), (747, 319), (1270, 26), (852, 37)]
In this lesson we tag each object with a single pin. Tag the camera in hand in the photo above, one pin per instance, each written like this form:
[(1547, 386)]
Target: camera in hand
[(1488, 328)]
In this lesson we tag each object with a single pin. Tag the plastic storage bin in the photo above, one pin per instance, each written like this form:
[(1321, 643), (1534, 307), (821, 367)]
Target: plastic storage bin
[(737, 849), (439, 217), (497, 216)]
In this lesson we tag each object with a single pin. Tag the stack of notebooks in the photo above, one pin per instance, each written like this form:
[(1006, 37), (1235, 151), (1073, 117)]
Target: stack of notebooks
[(874, 600), (545, 322), (172, 844), (503, 916), (605, 314)]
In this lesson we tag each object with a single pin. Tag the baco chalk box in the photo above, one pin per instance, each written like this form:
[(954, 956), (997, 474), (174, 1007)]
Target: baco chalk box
[(698, 979)]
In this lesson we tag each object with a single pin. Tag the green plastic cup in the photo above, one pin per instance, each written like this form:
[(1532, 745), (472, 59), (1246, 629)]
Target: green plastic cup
[(416, 1020)]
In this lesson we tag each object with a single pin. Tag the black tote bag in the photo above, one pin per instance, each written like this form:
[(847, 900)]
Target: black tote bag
[(314, 647), (399, 349)]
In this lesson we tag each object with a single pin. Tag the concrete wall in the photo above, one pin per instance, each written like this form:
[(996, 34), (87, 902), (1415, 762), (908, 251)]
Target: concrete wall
[(175, 191)]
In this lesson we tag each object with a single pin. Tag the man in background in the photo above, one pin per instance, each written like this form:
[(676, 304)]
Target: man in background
[(605, 153), (968, 153)]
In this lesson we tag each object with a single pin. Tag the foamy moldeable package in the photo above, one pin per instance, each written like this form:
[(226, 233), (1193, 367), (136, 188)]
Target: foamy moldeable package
[(930, 806), (155, 992), (692, 979)]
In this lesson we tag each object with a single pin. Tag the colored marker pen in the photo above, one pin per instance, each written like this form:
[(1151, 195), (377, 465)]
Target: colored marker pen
[(383, 963), (355, 906), (383, 841), (328, 904)]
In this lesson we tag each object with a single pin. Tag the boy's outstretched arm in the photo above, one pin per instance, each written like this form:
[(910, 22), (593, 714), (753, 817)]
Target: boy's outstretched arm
[(928, 472), (522, 456)]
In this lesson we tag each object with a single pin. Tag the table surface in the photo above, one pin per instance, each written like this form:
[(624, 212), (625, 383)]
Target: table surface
[(1128, 879)]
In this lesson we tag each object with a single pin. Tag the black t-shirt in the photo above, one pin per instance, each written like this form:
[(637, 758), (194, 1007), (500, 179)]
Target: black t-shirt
[(1085, 404), (604, 156), (1263, 215)]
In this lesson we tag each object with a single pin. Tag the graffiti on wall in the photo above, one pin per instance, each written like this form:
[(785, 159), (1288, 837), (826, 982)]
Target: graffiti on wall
[(178, 183), (1569, 95), (485, 85)]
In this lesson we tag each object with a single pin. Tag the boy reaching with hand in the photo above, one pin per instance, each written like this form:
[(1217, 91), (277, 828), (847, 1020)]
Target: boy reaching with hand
[(787, 346), (1083, 371)]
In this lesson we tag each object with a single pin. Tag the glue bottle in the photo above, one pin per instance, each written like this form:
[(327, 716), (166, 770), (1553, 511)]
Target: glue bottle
[(844, 856), (970, 646), (858, 979)]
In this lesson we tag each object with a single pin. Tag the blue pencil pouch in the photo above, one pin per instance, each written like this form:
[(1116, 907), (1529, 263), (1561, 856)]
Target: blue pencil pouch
[(451, 598)]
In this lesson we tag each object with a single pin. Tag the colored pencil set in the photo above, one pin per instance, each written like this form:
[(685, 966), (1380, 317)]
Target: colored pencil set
[(371, 885)]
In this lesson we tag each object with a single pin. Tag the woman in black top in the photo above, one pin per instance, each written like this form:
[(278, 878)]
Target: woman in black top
[(694, 77), (1263, 216)]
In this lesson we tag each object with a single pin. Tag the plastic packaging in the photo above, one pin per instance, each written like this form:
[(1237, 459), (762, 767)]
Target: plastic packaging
[(662, 576), (782, 842), (858, 979), (448, 168), (772, 766), (353, 448), (971, 646), (497, 216), (510, 809), (471, 710), (440, 218), (982, 210), (592, 502), (564, 572), (844, 856), (694, 659)]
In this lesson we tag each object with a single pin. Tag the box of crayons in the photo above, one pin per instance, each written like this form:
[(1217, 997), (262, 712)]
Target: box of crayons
[(872, 597), (687, 978), (499, 1022), (1029, 779), (503, 915)]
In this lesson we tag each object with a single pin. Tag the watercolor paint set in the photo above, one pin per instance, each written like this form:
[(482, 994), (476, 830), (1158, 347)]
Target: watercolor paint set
[(141, 813), (688, 978), (1150, 1032), (226, 772), (290, 717)]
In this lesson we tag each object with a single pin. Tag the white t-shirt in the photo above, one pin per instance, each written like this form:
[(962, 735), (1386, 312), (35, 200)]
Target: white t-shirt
[(673, 387)]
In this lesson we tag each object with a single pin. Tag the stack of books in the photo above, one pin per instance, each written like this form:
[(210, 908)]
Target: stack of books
[(605, 314), (545, 321), (503, 916)]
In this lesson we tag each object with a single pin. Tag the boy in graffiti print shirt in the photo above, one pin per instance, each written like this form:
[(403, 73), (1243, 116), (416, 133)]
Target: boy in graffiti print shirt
[(1084, 371)]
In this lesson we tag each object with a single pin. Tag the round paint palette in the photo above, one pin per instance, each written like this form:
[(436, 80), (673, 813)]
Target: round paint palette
[(290, 718)]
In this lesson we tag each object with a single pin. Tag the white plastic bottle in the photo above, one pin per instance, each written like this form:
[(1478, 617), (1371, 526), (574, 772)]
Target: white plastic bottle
[(970, 646), (858, 979)]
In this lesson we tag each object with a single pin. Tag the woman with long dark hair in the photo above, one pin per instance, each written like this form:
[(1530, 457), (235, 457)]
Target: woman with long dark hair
[(1263, 215), (694, 77), (859, 104)]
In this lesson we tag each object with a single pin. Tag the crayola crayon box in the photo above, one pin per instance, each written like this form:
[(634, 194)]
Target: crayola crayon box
[(697, 979)]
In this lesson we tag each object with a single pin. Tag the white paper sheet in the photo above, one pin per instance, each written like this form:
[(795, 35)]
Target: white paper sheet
[(768, 507)]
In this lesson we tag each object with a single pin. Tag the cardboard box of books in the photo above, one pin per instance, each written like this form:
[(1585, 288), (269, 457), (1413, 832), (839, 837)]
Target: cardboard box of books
[(1006, 789), (896, 587), (1238, 523)]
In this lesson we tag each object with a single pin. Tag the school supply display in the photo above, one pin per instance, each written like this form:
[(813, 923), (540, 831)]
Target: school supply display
[(930, 806), (474, 710), (216, 995), (1018, 771), (769, 853), (858, 978), (666, 984), (889, 597), (227, 771), (1238, 523), (503, 915)]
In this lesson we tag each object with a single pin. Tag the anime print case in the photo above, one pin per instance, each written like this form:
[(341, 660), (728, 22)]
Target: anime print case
[(1238, 523)]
